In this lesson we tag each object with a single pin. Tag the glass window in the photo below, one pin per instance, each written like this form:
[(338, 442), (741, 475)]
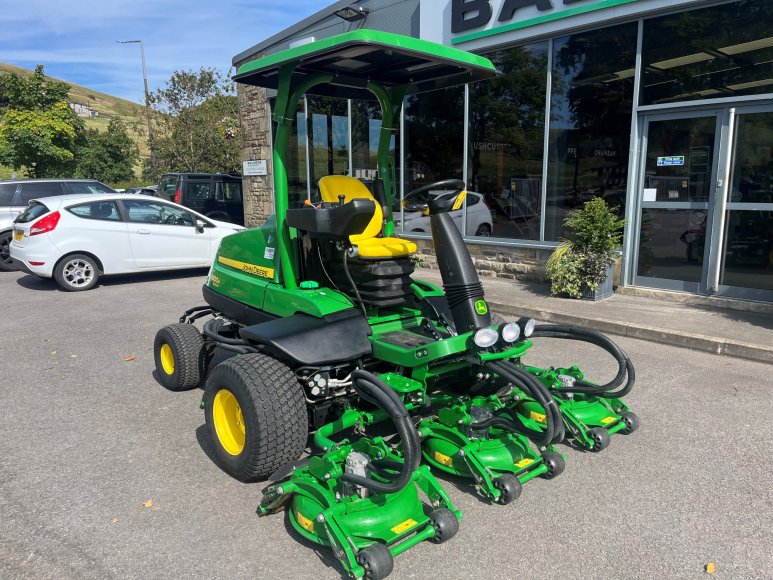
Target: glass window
[(590, 121), (722, 51), (199, 191), (232, 191), (7, 191), (98, 210), (328, 137), (88, 187), (167, 187), (295, 158), (366, 125), (434, 137), (32, 212), (507, 132), (39, 189), (153, 212)]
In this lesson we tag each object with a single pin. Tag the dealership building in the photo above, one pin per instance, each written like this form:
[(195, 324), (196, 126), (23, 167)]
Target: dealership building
[(664, 108)]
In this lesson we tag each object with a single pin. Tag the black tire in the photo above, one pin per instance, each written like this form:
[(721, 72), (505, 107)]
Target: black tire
[(268, 426), (631, 421), (555, 464), (483, 231), (6, 265), (509, 488), (600, 437), (377, 561), (76, 273), (180, 356), (446, 525)]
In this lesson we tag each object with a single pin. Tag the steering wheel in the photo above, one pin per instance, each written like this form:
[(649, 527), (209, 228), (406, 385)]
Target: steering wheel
[(433, 205), (171, 219)]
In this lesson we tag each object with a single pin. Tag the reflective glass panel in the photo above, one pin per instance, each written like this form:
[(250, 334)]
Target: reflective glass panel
[(671, 244), (590, 121), (295, 159), (506, 144), (748, 259), (721, 51), (328, 128), (752, 170)]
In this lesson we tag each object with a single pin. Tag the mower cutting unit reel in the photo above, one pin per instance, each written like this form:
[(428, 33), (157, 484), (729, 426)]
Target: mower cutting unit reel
[(362, 499)]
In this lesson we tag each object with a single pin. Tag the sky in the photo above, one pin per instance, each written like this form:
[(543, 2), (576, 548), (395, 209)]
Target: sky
[(75, 39)]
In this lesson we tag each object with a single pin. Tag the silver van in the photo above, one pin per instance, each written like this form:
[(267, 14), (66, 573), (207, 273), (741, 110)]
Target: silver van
[(15, 194)]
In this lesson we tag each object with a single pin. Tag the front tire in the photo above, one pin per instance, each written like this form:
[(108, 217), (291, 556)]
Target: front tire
[(255, 413), (76, 273), (179, 354), (6, 265)]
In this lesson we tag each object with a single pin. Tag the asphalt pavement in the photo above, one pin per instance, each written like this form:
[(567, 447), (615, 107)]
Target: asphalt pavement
[(105, 474)]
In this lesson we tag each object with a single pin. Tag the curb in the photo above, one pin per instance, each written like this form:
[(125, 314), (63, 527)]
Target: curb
[(700, 342)]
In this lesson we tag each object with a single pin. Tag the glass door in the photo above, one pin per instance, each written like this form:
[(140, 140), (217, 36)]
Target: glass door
[(678, 186), (745, 268)]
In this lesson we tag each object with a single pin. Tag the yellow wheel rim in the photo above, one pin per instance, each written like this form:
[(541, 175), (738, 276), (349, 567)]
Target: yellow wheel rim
[(229, 421), (167, 359)]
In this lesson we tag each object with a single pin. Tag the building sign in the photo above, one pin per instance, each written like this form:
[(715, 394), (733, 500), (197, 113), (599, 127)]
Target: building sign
[(254, 167), (479, 18)]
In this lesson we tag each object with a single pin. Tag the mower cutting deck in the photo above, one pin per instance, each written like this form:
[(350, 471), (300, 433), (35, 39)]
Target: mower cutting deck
[(320, 305)]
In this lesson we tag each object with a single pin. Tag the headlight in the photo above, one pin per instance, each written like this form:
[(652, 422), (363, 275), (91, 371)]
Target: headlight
[(527, 326), (510, 332), (485, 337)]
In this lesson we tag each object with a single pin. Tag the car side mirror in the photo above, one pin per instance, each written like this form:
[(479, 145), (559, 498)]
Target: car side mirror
[(200, 225)]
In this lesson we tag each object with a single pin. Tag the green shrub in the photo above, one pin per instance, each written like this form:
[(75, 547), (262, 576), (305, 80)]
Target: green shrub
[(583, 260)]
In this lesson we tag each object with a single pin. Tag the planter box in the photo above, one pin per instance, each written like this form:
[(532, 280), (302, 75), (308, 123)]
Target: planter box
[(604, 290)]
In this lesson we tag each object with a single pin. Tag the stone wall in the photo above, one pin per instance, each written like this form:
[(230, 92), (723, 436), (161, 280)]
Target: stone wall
[(255, 126), (524, 264)]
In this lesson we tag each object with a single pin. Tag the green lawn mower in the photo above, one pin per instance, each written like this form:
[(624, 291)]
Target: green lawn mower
[(332, 334)]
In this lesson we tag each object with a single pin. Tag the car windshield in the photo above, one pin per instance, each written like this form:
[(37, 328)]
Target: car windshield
[(88, 187), (33, 211)]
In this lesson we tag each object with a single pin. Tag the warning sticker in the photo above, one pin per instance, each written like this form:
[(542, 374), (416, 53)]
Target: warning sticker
[(524, 462), (305, 522), (607, 420), (268, 254), (405, 526), (442, 459), (539, 417)]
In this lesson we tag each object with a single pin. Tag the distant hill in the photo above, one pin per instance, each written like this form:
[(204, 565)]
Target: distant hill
[(107, 107)]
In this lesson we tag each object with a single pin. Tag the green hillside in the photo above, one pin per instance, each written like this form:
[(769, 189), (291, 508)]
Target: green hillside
[(107, 106)]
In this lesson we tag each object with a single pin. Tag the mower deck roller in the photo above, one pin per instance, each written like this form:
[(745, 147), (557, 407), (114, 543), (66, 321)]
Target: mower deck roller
[(332, 334)]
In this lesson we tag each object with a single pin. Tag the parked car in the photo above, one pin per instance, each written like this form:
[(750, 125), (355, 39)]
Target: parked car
[(478, 215), (78, 238), (144, 190), (216, 195), (16, 193)]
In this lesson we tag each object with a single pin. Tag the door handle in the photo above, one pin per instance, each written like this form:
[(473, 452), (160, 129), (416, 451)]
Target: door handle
[(143, 231)]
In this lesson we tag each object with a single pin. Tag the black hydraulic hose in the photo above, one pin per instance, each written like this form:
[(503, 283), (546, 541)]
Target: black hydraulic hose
[(377, 392), (500, 423), (625, 367), (353, 285), (237, 345), (554, 426)]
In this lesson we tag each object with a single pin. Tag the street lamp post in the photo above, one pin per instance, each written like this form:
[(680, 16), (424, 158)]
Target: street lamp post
[(147, 101)]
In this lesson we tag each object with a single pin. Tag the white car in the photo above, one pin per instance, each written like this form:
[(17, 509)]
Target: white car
[(479, 221), (77, 238)]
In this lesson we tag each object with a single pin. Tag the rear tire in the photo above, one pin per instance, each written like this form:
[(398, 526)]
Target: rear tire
[(256, 417), (180, 356), (6, 265), (76, 273)]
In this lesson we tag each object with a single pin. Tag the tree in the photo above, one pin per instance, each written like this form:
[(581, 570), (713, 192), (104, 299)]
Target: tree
[(38, 131), (196, 123), (107, 156)]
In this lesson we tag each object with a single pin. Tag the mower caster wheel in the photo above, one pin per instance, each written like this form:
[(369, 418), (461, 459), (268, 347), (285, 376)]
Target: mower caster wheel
[(377, 561), (555, 464), (631, 423), (509, 488), (600, 437), (445, 523), (180, 357)]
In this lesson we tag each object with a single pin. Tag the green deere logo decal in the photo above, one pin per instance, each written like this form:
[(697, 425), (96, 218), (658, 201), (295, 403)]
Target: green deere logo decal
[(480, 307)]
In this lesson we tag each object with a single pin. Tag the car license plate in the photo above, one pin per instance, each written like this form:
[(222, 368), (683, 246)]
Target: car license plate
[(18, 235)]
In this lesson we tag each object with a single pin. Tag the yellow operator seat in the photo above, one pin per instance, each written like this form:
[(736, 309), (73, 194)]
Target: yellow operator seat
[(368, 245)]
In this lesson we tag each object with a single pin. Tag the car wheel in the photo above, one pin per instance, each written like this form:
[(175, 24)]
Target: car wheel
[(483, 231), (6, 265), (256, 417), (76, 272)]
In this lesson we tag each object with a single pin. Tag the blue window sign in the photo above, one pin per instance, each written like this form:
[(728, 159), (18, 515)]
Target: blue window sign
[(671, 160)]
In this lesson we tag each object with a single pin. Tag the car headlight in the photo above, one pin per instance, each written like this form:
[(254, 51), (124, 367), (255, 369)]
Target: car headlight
[(527, 326), (510, 332), (485, 337)]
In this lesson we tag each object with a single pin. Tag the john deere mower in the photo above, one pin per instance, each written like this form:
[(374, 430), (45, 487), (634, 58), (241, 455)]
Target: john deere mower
[(321, 309)]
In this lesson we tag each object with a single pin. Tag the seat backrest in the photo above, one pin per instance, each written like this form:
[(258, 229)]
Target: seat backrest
[(331, 186)]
